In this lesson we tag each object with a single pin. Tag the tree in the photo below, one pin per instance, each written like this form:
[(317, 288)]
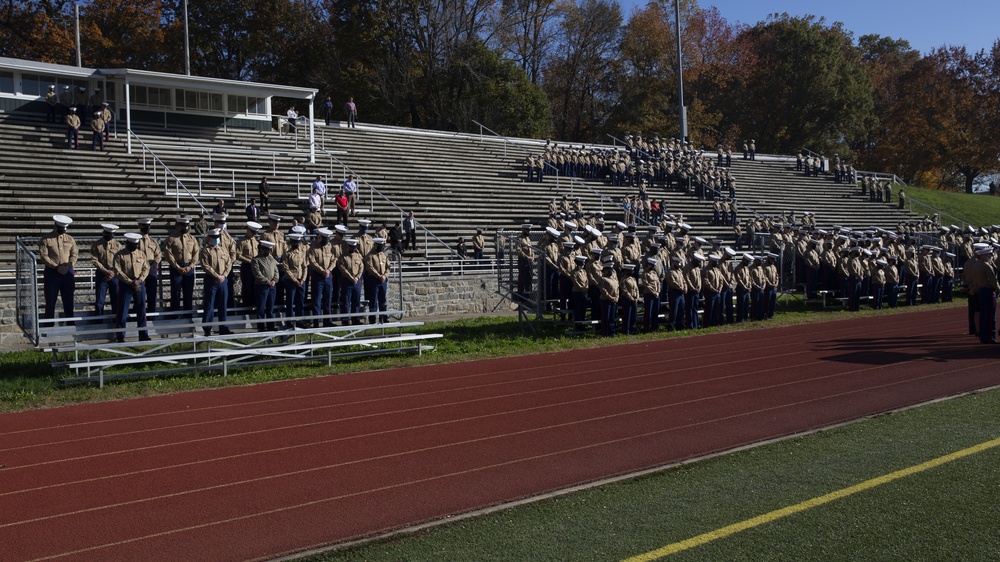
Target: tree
[(525, 31), (39, 30), (886, 61), (123, 34), (807, 87), (579, 79), (944, 130)]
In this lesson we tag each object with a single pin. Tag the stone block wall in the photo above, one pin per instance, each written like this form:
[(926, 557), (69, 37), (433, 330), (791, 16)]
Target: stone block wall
[(426, 297)]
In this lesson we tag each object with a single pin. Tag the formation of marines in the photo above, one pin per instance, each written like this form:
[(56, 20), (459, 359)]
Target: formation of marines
[(277, 272), (668, 163), (602, 274)]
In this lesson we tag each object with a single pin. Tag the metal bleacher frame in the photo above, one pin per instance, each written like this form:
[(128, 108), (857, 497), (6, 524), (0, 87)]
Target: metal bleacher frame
[(83, 346)]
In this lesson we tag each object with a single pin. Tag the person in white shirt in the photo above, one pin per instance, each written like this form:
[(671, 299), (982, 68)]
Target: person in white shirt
[(351, 189), (293, 117)]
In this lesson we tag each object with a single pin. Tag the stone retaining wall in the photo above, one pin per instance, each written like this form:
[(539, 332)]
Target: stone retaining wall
[(425, 297)]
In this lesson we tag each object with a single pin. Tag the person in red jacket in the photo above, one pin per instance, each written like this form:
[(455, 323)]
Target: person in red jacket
[(343, 205)]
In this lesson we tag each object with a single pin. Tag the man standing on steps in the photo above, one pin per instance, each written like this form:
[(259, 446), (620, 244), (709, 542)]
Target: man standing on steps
[(410, 232), (351, 189), (65, 101), (51, 105), (59, 253), (154, 256), (327, 110), (97, 126), (106, 282), (132, 268), (73, 129), (181, 252), (215, 265), (246, 251), (351, 109), (525, 260)]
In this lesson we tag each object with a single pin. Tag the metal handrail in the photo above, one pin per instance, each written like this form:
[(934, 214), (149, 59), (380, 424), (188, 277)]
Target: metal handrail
[(811, 153), (166, 170), (371, 203)]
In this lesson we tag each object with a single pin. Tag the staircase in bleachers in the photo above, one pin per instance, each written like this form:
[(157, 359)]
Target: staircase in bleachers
[(453, 182)]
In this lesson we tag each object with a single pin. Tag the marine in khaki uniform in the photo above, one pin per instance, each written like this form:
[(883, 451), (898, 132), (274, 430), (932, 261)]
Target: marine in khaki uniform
[(376, 281), (215, 265), (155, 255), (59, 253), (525, 261), (607, 286), (265, 280), (351, 266), (102, 254), (180, 250), (97, 126), (51, 105), (246, 251), (132, 267), (322, 262), (72, 129), (296, 263), (229, 244), (628, 298)]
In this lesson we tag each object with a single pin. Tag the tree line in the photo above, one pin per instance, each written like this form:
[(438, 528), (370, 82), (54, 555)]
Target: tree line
[(572, 70)]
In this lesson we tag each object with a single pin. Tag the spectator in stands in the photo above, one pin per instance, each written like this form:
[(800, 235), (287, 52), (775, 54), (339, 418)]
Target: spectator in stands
[(314, 214), (902, 199), (351, 189), (252, 211), (215, 264), (200, 226), (327, 110), (410, 232), (73, 129), (220, 208), (318, 185), (461, 249), (351, 109), (181, 252), (59, 253), (753, 149), (132, 268), (343, 205), (478, 245), (396, 237), (293, 117), (105, 282), (265, 278), (264, 196)]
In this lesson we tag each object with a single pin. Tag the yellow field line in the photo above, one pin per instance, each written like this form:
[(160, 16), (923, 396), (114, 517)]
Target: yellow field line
[(808, 504)]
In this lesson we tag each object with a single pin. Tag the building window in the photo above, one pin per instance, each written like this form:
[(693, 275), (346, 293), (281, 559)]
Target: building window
[(208, 102), (149, 96), (7, 82), (244, 105), (36, 84)]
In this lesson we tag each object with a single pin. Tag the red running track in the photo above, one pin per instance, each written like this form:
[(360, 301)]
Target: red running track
[(255, 472)]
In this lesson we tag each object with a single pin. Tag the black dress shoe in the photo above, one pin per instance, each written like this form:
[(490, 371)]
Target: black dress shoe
[(225, 331), (145, 338)]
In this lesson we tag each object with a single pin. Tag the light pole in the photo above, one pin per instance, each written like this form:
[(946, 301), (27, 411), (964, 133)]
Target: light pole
[(680, 72), (187, 48)]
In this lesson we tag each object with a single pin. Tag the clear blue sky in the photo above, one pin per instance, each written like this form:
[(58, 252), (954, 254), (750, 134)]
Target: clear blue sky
[(925, 24)]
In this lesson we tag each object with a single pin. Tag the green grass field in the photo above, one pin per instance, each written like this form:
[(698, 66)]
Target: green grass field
[(978, 210), (945, 513)]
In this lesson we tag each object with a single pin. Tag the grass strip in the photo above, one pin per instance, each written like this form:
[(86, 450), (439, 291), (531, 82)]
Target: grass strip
[(27, 381)]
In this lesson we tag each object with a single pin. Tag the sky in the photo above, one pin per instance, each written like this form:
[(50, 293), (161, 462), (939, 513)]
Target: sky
[(924, 23)]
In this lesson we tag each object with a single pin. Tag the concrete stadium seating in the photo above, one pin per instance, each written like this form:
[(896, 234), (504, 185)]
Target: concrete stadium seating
[(454, 182)]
